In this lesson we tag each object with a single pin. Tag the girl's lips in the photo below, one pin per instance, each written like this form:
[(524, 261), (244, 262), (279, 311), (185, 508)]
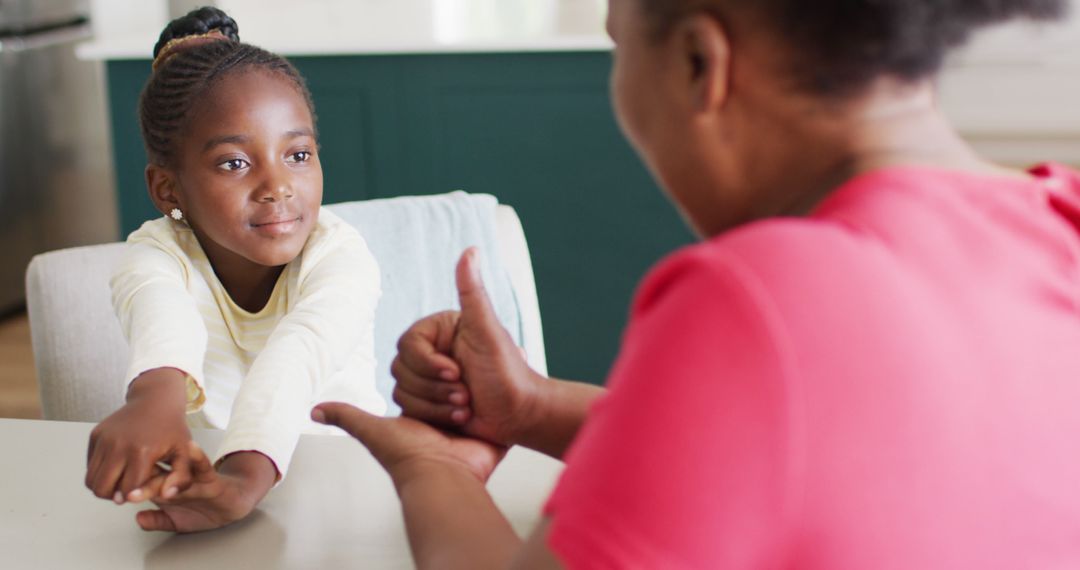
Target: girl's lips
[(277, 227)]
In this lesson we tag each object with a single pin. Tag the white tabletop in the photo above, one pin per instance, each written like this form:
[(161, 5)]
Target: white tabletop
[(336, 509)]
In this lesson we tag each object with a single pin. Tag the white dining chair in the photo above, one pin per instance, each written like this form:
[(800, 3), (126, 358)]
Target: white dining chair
[(80, 353)]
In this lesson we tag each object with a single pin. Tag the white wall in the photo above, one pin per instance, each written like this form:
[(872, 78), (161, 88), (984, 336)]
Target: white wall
[(1015, 91)]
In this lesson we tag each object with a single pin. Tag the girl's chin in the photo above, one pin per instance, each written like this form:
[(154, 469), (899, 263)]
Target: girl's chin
[(276, 258)]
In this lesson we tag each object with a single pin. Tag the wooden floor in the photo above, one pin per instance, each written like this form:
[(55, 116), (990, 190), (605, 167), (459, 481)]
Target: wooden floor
[(18, 385)]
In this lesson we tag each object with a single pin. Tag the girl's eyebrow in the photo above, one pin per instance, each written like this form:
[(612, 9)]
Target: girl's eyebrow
[(242, 139), (301, 132), (225, 139)]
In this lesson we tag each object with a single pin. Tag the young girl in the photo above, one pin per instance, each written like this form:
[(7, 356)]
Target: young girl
[(246, 302)]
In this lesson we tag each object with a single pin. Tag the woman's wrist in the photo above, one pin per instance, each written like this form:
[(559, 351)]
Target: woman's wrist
[(535, 411), (420, 470), (552, 420)]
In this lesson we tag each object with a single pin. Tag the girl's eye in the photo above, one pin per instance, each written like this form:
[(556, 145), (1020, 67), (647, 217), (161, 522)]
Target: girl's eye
[(301, 156), (233, 164)]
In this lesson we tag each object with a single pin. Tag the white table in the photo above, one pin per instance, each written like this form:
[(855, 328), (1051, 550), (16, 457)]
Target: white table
[(336, 509)]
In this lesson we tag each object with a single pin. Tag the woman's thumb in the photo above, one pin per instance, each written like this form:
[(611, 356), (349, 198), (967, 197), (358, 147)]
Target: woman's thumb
[(475, 306), (353, 420)]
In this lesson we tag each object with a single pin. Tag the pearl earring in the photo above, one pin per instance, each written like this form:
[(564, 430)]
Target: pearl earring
[(176, 214)]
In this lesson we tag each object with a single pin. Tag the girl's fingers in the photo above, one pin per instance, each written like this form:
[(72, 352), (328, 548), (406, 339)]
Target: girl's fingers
[(155, 520), (106, 477), (90, 447), (140, 468), (93, 464), (151, 491), (425, 388), (179, 479), (195, 468), (434, 413), (202, 471)]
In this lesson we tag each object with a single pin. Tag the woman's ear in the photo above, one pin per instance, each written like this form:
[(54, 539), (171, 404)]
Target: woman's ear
[(161, 184), (706, 47)]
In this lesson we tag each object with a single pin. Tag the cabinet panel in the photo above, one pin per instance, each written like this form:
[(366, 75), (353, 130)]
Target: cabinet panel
[(593, 218), (126, 79), (345, 149)]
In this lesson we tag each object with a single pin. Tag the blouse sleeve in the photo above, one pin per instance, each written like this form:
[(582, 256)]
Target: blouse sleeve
[(689, 461), (158, 315), (334, 314)]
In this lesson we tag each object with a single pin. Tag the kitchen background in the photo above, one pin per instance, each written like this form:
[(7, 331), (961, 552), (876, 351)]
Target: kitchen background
[(507, 97)]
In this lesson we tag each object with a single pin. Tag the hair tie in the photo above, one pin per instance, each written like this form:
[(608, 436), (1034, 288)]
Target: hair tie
[(170, 48)]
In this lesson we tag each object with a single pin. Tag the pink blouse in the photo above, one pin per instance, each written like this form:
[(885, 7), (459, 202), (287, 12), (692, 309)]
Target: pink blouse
[(892, 382)]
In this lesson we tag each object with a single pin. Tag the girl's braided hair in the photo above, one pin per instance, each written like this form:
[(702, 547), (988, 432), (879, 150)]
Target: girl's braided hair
[(189, 70), (840, 46)]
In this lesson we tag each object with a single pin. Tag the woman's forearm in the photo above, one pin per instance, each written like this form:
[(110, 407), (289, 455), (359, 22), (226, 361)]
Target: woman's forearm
[(452, 521), (560, 411)]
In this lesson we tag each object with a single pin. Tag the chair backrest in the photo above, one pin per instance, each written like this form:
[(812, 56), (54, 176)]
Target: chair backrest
[(80, 353)]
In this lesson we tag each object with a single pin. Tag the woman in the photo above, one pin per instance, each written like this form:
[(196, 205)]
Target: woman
[(886, 381)]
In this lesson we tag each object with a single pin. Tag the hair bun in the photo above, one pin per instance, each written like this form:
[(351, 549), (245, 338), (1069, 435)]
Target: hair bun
[(197, 22)]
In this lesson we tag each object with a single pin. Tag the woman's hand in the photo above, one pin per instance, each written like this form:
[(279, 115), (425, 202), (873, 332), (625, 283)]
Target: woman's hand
[(463, 370), (125, 448), (215, 498), (403, 446)]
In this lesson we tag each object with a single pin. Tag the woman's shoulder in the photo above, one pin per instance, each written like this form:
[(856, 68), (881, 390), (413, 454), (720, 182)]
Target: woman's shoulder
[(796, 244), (768, 258)]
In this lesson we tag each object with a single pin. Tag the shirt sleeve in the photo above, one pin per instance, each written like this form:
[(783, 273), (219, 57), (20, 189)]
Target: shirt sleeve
[(315, 339), (688, 461), (158, 315)]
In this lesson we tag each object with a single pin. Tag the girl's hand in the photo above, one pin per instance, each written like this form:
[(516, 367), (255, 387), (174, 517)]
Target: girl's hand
[(215, 498), (404, 445), (125, 447), (462, 370)]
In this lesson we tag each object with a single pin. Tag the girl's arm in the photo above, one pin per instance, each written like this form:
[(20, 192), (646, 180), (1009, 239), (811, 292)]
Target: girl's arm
[(167, 339), (157, 313), (338, 289), (150, 427), (216, 498)]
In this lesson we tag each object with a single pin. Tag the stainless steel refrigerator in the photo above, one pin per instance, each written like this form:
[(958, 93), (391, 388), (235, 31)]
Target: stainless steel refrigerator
[(56, 179)]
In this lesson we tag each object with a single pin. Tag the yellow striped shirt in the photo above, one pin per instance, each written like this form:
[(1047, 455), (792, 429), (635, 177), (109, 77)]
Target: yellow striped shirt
[(256, 375)]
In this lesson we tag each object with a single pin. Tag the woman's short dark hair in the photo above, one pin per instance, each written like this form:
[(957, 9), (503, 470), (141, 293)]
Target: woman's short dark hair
[(839, 46), (188, 72)]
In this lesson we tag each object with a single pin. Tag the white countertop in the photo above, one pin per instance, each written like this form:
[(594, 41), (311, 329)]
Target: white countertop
[(337, 509), (346, 27)]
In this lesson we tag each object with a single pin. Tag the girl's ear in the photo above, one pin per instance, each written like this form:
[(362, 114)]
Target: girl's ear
[(706, 48), (161, 184)]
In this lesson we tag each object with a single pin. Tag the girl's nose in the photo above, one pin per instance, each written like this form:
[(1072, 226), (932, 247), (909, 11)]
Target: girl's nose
[(277, 187)]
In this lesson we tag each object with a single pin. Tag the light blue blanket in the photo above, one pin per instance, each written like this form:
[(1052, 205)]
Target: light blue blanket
[(428, 236)]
